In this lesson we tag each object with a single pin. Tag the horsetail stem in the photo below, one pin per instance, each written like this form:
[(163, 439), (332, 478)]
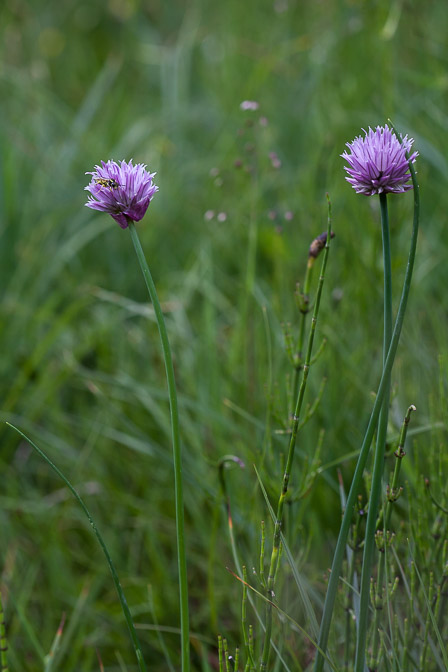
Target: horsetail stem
[(292, 443)]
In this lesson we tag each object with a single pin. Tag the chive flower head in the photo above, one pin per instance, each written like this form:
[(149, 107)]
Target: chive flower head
[(378, 163), (123, 190)]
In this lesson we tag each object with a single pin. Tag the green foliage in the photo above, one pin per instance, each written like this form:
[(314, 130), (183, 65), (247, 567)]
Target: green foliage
[(81, 367)]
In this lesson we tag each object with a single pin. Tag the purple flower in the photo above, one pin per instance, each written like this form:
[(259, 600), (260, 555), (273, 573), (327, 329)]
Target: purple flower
[(249, 105), (378, 163), (122, 190)]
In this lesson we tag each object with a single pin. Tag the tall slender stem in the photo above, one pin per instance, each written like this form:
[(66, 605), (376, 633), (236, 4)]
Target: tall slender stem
[(292, 444), (304, 310), (365, 448), (392, 496), (378, 467), (178, 481)]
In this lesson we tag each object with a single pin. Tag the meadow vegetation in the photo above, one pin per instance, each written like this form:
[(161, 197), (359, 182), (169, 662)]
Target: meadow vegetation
[(242, 196)]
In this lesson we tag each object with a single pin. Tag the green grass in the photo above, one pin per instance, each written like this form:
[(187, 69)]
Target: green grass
[(81, 367)]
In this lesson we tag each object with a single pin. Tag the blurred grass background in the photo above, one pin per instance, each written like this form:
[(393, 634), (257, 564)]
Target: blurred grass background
[(81, 367)]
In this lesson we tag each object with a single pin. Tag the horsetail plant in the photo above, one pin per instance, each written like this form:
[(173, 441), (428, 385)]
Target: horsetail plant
[(276, 543), (383, 539), (303, 304), (379, 163), (125, 191)]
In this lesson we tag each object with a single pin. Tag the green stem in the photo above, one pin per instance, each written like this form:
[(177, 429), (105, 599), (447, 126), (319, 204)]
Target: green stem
[(393, 494), (249, 657), (387, 277), (292, 443), (116, 580), (178, 485), (304, 310), (378, 467), (239, 568), (364, 452)]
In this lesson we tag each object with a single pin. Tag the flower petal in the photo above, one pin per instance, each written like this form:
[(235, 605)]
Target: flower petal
[(378, 162), (123, 190)]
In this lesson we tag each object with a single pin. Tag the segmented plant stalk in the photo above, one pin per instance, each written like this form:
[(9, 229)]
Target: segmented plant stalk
[(406, 640), (251, 640), (365, 448), (273, 567), (304, 307), (226, 654), (177, 457), (233, 458), (250, 664), (220, 661), (392, 495), (378, 467)]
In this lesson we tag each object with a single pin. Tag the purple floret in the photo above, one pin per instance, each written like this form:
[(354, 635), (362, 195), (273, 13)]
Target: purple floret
[(378, 163), (122, 190)]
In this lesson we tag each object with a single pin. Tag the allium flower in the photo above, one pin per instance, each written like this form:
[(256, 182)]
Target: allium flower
[(122, 190), (378, 163)]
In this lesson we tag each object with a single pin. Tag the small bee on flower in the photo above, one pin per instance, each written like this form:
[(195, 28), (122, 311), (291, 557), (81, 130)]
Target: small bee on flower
[(109, 183), (123, 190)]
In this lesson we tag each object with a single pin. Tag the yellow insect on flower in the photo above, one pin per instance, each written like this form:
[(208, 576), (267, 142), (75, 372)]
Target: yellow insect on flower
[(107, 182)]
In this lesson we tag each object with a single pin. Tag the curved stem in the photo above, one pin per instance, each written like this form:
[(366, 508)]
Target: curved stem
[(364, 452), (178, 481), (116, 580), (378, 467)]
